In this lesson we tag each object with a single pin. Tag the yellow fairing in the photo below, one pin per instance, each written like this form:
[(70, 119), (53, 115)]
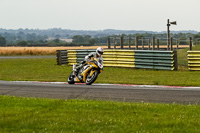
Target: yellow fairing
[(85, 73), (92, 72)]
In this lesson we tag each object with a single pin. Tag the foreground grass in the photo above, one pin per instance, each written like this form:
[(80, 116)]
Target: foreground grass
[(47, 70), (48, 115)]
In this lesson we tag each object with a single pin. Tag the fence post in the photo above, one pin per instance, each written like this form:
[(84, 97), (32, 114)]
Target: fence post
[(114, 42), (136, 43), (171, 43), (142, 43), (158, 43), (177, 43), (175, 61), (129, 42), (108, 41), (190, 43), (167, 44), (121, 42), (149, 44), (153, 43)]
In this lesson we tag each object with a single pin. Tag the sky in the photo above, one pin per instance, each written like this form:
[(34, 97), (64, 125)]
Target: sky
[(148, 15)]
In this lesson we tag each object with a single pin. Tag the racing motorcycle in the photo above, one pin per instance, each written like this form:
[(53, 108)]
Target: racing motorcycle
[(87, 74)]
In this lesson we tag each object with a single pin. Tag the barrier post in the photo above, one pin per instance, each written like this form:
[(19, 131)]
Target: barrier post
[(129, 42), (121, 42), (190, 43), (153, 43), (149, 44), (108, 41), (177, 43), (136, 43), (142, 43), (114, 42)]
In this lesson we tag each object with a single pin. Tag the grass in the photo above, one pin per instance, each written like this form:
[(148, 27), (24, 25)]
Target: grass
[(48, 115), (47, 70)]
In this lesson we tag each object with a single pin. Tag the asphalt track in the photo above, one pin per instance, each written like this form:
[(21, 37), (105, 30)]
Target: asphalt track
[(126, 93)]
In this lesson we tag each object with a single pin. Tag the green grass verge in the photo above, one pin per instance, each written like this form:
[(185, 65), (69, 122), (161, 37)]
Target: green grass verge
[(47, 70), (48, 115)]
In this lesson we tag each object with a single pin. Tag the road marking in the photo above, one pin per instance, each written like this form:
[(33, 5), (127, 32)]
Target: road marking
[(130, 85)]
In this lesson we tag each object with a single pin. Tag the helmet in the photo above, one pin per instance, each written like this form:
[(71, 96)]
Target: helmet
[(99, 51)]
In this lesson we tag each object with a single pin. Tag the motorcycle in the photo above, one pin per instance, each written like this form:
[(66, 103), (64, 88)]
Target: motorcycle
[(87, 74)]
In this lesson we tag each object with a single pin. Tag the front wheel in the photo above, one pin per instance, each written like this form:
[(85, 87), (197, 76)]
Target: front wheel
[(70, 79), (91, 79)]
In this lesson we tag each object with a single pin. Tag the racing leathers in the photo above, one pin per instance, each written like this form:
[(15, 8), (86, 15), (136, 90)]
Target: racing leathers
[(93, 54), (88, 59)]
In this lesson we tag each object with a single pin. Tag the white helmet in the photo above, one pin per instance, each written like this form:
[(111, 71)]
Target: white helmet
[(99, 51)]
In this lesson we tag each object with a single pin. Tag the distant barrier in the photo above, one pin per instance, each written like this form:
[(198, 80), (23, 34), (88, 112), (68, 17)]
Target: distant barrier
[(194, 60), (164, 60), (62, 57)]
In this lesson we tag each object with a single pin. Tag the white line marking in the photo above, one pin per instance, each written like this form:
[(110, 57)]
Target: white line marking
[(140, 86)]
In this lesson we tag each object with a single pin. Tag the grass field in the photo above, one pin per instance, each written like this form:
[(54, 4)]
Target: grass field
[(47, 70), (53, 116)]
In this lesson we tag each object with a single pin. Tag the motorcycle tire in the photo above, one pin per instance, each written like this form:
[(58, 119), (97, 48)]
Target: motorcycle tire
[(91, 79), (70, 79)]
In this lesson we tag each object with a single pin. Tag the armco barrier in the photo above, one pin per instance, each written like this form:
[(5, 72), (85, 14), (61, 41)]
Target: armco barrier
[(119, 58), (194, 60), (164, 60)]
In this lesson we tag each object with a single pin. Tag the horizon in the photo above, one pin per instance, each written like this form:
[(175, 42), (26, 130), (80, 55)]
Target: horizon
[(96, 30)]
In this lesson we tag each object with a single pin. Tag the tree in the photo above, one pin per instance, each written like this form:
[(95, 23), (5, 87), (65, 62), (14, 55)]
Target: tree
[(21, 35), (57, 36), (87, 38), (92, 41), (197, 36), (22, 43), (77, 39), (56, 41), (2, 41)]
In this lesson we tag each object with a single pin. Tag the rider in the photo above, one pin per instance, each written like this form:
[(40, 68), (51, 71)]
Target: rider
[(98, 54)]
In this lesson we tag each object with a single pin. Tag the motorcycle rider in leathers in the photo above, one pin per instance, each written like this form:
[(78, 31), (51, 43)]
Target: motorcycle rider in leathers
[(98, 54)]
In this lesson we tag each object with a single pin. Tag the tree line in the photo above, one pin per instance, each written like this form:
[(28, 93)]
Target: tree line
[(22, 38)]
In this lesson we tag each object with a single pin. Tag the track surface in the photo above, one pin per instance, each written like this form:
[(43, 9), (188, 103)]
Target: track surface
[(127, 93)]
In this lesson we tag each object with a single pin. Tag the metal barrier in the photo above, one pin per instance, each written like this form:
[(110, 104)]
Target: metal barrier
[(119, 58), (164, 60), (62, 57), (194, 60)]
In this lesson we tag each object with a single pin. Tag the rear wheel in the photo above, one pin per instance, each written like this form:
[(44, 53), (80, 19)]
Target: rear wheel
[(91, 79), (70, 79)]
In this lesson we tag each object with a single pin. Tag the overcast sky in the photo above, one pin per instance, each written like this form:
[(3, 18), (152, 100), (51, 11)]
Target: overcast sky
[(150, 15)]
